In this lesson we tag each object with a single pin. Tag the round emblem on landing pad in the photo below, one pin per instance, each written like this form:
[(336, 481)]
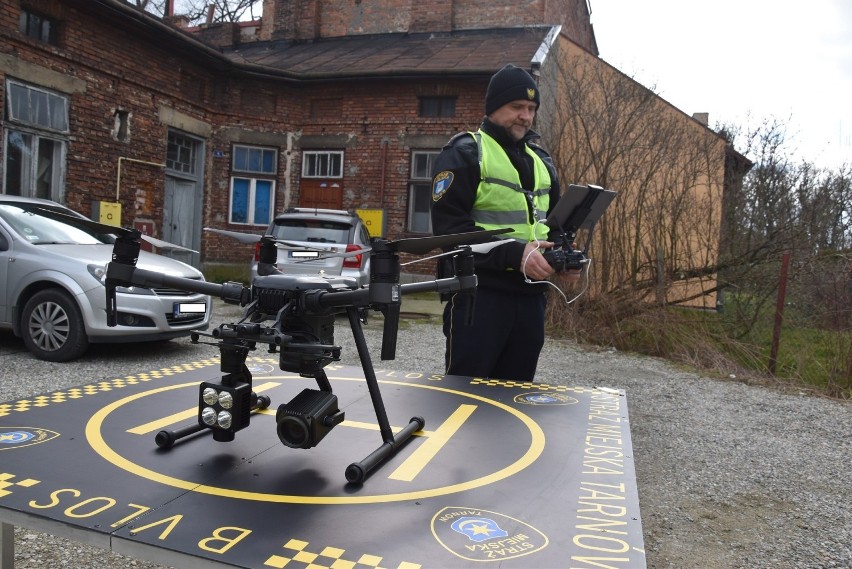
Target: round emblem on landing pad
[(539, 398), (469, 441), (18, 437), (261, 368), (483, 535)]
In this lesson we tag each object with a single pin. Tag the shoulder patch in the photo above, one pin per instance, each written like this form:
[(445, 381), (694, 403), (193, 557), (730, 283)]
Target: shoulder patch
[(441, 183)]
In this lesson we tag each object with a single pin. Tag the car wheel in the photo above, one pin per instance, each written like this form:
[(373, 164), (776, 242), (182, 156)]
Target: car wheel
[(52, 327)]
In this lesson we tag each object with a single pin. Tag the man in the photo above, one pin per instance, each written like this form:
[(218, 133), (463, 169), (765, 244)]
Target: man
[(489, 179)]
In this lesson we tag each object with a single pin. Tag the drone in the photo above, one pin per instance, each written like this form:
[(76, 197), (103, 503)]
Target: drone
[(294, 315)]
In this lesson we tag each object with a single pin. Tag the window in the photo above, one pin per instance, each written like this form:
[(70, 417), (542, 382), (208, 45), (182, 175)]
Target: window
[(36, 107), (121, 125), (322, 164), (180, 153), (255, 160), (437, 106), (253, 170), (420, 191), (38, 27), (35, 140)]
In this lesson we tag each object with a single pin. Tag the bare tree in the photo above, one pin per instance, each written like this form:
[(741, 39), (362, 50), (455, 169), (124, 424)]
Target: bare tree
[(156, 7), (222, 10), (660, 236), (791, 208), (198, 11)]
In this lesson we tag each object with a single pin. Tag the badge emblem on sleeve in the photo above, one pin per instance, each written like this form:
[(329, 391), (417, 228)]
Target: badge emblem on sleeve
[(441, 184)]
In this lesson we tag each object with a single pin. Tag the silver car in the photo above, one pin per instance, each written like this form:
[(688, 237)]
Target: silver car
[(312, 235), (52, 290)]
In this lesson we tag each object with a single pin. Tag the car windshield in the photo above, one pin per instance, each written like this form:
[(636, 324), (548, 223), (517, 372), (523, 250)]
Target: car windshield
[(40, 230), (312, 230)]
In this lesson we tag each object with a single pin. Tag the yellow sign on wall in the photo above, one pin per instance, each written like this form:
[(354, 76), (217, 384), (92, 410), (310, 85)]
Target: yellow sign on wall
[(374, 219), (109, 213)]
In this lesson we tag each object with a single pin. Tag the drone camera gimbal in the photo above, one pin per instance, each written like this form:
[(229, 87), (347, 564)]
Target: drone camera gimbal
[(293, 315)]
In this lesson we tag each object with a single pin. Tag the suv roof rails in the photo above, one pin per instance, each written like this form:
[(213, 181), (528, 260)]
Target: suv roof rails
[(317, 210)]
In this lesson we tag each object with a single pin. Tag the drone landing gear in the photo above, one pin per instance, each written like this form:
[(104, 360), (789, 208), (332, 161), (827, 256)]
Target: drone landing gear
[(357, 472), (225, 407)]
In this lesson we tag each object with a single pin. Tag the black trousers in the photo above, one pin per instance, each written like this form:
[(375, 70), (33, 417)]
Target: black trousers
[(504, 339)]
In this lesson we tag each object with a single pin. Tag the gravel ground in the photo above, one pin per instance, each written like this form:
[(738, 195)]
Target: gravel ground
[(730, 475)]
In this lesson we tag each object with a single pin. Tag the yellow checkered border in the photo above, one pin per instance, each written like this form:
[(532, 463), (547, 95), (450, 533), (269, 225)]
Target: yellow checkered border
[(335, 560), (529, 385), (38, 401), (7, 483)]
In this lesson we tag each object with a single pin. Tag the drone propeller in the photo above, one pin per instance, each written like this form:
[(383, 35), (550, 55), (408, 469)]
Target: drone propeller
[(423, 245), (124, 232), (241, 237), (255, 238)]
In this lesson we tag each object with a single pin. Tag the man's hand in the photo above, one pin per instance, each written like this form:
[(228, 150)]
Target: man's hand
[(571, 275), (533, 264)]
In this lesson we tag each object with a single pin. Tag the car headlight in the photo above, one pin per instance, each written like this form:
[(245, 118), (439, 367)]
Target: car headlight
[(99, 273)]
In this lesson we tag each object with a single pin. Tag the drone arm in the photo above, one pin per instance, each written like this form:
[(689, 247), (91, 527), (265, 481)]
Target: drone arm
[(125, 275), (120, 274), (317, 300), (464, 280), (449, 284)]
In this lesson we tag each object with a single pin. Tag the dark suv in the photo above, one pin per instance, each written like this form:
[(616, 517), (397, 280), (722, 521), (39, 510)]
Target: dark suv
[(321, 231)]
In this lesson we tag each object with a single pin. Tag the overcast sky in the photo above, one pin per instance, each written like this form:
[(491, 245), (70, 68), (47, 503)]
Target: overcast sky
[(742, 61)]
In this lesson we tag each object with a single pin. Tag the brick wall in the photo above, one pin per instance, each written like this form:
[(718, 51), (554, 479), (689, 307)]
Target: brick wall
[(310, 19), (110, 70)]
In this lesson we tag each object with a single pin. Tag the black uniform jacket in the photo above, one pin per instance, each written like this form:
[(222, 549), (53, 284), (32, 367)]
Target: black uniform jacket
[(451, 212)]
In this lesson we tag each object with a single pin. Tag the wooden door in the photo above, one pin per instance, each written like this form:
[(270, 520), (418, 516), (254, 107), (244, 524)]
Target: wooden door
[(321, 193)]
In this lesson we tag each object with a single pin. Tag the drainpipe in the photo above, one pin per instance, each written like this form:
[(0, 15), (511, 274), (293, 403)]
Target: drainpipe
[(384, 167), (288, 167)]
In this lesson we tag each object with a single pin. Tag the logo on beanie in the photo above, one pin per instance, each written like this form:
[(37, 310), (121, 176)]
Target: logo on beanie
[(531, 94)]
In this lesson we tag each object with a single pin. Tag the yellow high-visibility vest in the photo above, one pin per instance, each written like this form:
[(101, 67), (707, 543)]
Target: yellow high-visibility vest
[(501, 201)]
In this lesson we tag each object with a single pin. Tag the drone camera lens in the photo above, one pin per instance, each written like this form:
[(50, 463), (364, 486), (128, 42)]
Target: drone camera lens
[(293, 431), (303, 422)]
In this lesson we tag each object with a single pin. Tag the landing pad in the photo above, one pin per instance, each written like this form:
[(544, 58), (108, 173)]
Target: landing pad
[(504, 474)]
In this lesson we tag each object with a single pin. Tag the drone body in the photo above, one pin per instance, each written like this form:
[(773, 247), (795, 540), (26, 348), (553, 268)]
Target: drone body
[(294, 315)]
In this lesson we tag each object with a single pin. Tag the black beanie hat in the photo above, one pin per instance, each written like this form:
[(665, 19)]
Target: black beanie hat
[(510, 84)]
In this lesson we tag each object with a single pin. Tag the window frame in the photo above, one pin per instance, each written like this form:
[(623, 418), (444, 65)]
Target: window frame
[(14, 106), (445, 106), (318, 155), (420, 183), (29, 20), (246, 171), (40, 119)]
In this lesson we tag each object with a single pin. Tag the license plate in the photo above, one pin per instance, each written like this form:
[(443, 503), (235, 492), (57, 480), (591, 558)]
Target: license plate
[(304, 254), (188, 309)]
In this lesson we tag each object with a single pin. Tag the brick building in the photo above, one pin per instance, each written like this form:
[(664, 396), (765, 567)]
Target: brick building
[(318, 104), (321, 103)]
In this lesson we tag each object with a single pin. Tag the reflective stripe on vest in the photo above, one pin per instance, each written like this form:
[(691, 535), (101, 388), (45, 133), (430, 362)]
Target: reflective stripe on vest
[(501, 201)]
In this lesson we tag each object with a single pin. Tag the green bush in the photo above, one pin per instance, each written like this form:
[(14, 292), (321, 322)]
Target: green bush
[(222, 273), (711, 342)]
